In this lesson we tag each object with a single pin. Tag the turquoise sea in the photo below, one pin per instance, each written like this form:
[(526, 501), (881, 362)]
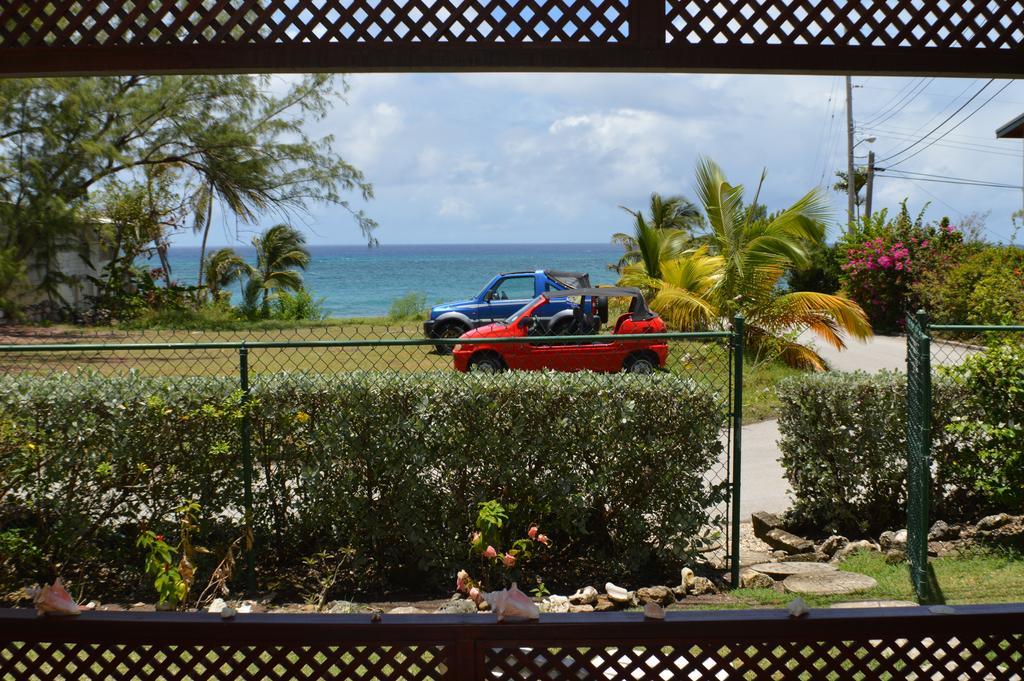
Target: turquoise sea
[(356, 281)]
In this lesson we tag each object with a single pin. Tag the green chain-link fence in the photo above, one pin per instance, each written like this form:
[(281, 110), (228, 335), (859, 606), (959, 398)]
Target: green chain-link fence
[(261, 476), (949, 416)]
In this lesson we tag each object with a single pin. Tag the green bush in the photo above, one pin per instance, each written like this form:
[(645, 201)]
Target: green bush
[(986, 288), (410, 307), (297, 306), (844, 450), (990, 464), (389, 468)]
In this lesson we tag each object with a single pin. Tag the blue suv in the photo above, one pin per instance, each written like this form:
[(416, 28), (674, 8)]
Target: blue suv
[(505, 294)]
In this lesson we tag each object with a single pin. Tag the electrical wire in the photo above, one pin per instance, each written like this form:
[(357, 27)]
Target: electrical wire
[(960, 146), (925, 177), (965, 119), (913, 95), (947, 120), (888, 106)]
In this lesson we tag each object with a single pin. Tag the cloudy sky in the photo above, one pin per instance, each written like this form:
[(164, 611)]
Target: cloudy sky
[(507, 158)]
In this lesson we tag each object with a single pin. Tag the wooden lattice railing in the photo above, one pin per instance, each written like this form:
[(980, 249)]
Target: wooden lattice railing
[(974, 642), (899, 36)]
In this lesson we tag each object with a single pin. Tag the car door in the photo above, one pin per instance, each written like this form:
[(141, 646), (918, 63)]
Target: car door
[(507, 296)]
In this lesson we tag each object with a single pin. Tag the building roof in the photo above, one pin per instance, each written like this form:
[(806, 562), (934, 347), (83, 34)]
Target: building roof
[(1014, 128)]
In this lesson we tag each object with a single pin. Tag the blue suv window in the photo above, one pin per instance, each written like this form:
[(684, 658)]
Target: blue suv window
[(513, 288)]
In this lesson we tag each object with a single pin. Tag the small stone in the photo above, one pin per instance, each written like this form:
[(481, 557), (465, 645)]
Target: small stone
[(342, 608), (653, 611), (811, 557), (556, 604), (603, 604), (895, 556), (992, 522), (885, 540), (833, 544), (764, 523), (585, 596), (407, 610), (90, 606), (576, 609), (779, 555), (798, 607), (702, 586), (679, 592), (940, 531), (785, 541), (463, 606), (164, 607), (752, 579), (483, 606), (244, 609), (217, 605), (854, 547), (618, 595), (655, 594), (227, 612), (686, 577)]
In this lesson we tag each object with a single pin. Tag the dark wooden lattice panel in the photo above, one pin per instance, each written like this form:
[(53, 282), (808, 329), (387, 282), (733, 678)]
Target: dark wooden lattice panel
[(79, 23), (987, 24), (991, 657), (45, 661)]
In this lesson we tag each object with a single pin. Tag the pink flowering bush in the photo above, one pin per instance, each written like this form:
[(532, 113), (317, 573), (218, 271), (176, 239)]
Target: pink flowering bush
[(500, 557), (886, 259)]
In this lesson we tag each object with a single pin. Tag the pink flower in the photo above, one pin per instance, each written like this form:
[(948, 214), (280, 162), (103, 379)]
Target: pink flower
[(489, 552), (543, 539), (461, 581), (885, 261), (509, 560), (532, 532)]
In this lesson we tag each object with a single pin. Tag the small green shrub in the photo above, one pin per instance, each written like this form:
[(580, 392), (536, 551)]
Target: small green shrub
[(410, 307), (390, 467), (990, 463), (297, 306), (844, 450), (986, 288)]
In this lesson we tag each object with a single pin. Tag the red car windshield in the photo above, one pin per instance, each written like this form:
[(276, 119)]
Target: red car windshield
[(521, 311)]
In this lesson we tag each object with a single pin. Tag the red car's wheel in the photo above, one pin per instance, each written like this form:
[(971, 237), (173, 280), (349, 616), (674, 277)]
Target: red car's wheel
[(486, 363), (640, 363)]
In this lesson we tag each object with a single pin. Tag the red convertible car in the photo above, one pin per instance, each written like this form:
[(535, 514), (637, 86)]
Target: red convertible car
[(635, 356)]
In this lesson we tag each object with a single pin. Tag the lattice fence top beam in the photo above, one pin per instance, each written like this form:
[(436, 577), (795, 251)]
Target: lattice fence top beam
[(954, 37)]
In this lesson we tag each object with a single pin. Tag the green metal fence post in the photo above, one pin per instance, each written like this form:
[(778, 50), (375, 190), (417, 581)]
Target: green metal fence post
[(250, 556), (737, 449), (919, 412)]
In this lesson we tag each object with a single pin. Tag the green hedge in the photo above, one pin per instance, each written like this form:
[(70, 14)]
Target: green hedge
[(844, 444), (385, 467)]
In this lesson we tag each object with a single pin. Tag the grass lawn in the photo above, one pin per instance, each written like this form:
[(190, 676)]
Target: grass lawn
[(978, 576)]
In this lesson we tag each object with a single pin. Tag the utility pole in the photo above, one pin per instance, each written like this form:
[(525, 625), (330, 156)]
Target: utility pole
[(870, 185), (851, 180)]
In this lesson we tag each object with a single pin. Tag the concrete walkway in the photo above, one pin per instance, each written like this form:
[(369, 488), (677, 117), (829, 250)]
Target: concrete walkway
[(763, 487)]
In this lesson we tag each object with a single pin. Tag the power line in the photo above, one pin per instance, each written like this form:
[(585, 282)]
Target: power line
[(913, 95), (926, 177), (948, 119), (965, 119), (948, 144), (888, 106)]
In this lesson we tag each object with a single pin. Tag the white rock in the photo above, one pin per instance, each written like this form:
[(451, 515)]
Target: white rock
[(616, 594), (218, 605), (798, 607), (227, 612), (555, 604), (585, 596), (244, 608), (686, 577)]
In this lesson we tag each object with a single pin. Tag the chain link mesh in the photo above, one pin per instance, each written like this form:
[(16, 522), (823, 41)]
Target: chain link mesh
[(317, 354)]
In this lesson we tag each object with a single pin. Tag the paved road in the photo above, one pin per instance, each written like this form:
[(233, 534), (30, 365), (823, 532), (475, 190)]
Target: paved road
[(763, 487)]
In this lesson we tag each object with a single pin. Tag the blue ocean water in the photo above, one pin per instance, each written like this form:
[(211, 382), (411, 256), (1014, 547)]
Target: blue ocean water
[(356, 281)]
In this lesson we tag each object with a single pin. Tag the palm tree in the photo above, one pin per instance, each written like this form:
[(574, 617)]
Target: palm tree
[(280, 254), (221, 269), (676, 215), (742, 257)]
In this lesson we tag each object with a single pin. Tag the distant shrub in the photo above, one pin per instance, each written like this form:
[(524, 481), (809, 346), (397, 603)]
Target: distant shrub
[(823, 273), (388, 468), (297, 306), (410, 307), (987, 287)]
